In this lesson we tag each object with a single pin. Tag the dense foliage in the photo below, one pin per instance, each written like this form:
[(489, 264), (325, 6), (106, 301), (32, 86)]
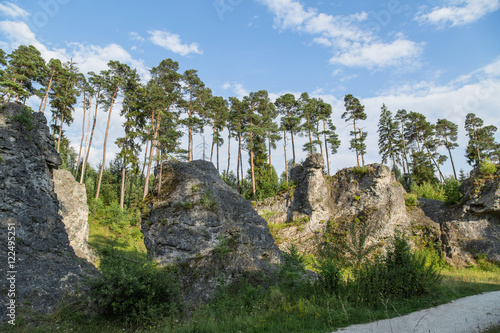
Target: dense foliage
[(157, 113)]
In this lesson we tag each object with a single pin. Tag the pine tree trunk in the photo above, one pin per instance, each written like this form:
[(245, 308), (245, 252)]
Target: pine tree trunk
[(293, 148), (190, 139), (269, 149), (160, 174), (145, 156), (213, 142), (105, 141), (435, 163), (356, 140), (405, 153), (326, 148), (86, 142), (228, 153), (147, 141), (317, 137), (477, 148), (286, 163), (217, 156), (44, 100), (83, 135), (151, 151), (452, 163), (122, 191), (92, 132), (310, 138), (60, 131), (238, 165)]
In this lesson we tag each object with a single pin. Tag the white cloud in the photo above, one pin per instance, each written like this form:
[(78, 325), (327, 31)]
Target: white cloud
[(172, 42), (88, 57), (352, 46), (397, 53), (135, 36), (226, 86), (458, 12), (11, 10)]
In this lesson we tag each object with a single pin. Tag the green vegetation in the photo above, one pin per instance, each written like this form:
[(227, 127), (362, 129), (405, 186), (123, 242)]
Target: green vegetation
[(208, 201), (137, 293), (448, 193), (224, 247), (487, 168), (360, 171), (410, 199), (25, 118), (428, 190), (353, 283), (452, 191)]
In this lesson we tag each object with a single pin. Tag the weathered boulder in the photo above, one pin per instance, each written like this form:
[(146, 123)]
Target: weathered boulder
[(472, 227), (322, 205), (46, 267), (73, 208), (207, 229)]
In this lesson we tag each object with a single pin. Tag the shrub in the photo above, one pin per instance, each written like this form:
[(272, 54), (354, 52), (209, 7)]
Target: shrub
[(292, 274), (452, 191), (428, 190), (487, 168), (140, 294), (400, 275), (360, 171), (25, 118), (329, 271), (410, 199), (208, 201)]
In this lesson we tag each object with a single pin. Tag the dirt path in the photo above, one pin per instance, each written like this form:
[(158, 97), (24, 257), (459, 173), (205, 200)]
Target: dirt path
[(467, 315)]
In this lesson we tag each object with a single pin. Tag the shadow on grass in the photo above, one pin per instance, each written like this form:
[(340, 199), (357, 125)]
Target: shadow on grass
[(121, 245)]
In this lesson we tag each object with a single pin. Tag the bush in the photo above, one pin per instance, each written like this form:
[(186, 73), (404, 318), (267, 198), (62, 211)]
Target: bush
[(487, 168), (400, 275), (140, 294), (360, 171), (407, 273), (452, 191), (428, 190), (410, 199), (292, 274), (329, 272), (25, 118)]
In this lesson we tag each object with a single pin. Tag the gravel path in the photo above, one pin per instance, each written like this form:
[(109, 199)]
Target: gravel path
[(465, 315)]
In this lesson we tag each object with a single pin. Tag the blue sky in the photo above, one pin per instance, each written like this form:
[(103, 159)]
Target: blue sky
[(437, 57)]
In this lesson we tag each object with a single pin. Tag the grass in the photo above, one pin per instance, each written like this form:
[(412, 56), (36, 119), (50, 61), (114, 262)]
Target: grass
[(253, 309), (129, 243), (292, 307)]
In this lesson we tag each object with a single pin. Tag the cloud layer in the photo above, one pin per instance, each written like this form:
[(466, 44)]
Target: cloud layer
[(458, 12), (351, 45), (172, 42)]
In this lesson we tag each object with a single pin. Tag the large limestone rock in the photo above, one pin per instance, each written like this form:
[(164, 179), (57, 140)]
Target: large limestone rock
[(207, 229), (322, 205), (46, 267), (472, 227), (73, 208)]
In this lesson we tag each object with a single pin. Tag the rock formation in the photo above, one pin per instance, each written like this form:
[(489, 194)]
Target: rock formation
[(73, 208), (370, 195), (321, 204), (46, 267), (207, 228), (472, 227)]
